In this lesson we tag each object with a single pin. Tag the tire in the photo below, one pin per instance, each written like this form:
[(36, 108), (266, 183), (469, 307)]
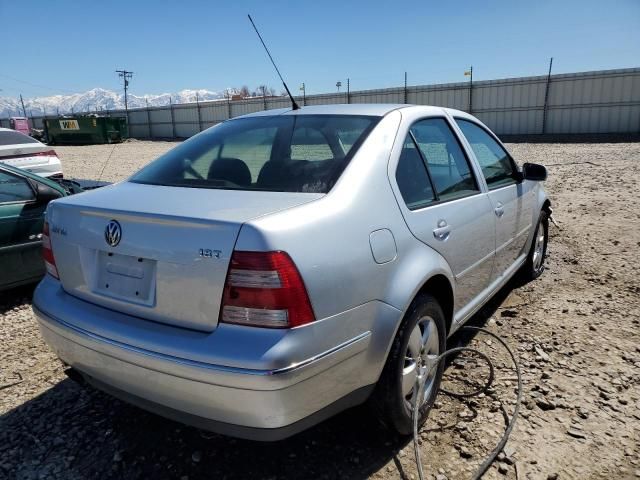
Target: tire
[(534, 266), (390, 398)]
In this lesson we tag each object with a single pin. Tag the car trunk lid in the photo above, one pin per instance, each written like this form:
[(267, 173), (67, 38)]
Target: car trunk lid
[(24, 155), (159, 253)]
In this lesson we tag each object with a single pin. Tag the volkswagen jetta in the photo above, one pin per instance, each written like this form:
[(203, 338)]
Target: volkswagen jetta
[(280, 267)]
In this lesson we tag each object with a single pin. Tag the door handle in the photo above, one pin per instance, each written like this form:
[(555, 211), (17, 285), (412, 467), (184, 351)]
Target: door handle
[(499, 210), (443, 230)]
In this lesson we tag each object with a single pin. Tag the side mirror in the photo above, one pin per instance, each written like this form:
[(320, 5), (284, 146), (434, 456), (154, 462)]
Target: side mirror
[(534, 172), (45, 193)]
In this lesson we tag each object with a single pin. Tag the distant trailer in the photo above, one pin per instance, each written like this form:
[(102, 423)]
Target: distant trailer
[(19, 124), (85, 130)]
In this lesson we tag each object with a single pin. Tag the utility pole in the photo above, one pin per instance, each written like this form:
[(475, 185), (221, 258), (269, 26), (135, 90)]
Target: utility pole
[(229, 97), (348, 92), (173, 121), (471, 89), (148, 117), (546, 98), (405, 88), (304, 94), (24, 112), (264, 96), (199, 116), (125, 76)]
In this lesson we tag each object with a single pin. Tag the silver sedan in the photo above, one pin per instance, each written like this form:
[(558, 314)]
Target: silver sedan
[(283, 266)]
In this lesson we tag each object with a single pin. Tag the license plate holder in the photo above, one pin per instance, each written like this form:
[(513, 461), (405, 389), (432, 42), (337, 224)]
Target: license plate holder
[(126, 277)]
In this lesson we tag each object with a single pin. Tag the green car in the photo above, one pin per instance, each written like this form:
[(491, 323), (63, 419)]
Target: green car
[(24, 197)]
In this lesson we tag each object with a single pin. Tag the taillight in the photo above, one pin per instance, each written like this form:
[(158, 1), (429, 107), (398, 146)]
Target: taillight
[(48, 153), (47, 252), (265, 289)]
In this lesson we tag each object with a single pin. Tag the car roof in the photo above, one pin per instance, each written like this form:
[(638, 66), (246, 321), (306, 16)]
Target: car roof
[(368, 109), (376, 110)]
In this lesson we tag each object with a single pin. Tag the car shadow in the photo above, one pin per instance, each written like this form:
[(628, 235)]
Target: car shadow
[(16, 296), (70, 431)]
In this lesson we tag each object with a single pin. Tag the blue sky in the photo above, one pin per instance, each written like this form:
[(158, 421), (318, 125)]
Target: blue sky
[(57, 47)]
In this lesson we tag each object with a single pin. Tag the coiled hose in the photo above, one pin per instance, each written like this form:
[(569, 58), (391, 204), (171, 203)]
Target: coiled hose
[(424, 373)]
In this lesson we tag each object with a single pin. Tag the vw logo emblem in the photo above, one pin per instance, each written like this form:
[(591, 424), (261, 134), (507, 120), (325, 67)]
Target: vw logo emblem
[(112, 233)]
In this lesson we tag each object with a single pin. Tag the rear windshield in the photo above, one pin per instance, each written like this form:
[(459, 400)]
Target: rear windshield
[(287, 153), (14, 138)]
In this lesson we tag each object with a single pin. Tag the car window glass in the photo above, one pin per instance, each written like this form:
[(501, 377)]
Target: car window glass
[(497, 166), (9, 137), (309, 144), (412, 178), (14, 189), (448, 166), (290, 153), (348, 133), (252, 146)]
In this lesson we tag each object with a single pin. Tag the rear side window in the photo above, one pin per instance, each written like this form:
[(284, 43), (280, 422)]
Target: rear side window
[(446, 162), (412, 178), (289, 153), (497, 166), (9, 137), (14, 189)]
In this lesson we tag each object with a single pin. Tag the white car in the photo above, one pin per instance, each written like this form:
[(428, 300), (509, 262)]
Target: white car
[(22, 151)]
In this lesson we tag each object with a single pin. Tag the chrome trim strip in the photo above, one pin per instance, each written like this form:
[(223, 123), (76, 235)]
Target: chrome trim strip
[(18, 246), (513, 239), (320, 356), (499, 283), (477, 264), (195, 363)]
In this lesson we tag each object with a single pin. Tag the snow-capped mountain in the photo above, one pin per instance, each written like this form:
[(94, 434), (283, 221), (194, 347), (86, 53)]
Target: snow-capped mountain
[(98, 99)]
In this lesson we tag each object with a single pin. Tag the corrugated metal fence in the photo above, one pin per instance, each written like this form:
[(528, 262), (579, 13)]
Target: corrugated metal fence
[(605, 101)]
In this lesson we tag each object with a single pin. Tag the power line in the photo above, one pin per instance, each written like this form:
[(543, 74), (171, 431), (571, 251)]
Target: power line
[(35, 84)]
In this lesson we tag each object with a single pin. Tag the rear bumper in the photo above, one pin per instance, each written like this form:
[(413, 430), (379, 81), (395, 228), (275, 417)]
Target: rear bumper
[(255, 403)]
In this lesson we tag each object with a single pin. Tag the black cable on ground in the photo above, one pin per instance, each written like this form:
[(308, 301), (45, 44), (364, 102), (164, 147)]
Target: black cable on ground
[(433, 364), (105, 164)]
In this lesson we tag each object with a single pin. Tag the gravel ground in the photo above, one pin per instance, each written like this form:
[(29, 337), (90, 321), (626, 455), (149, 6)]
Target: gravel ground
[(575, 331)]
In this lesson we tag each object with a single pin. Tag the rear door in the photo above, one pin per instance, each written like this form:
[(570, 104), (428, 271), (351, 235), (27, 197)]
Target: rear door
[(512, 199), (21, 218), (445, 207)]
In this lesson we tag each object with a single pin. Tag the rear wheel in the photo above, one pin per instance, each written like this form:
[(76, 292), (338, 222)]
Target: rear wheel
[(534, 265), (421, 336)]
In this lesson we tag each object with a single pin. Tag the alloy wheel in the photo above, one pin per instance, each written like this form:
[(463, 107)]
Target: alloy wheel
[(424, 344)]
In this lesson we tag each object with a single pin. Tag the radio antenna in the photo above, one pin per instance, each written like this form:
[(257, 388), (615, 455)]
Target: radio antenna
[(293, 102)]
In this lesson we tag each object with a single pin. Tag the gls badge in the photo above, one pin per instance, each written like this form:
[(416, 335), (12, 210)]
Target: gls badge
[(113, 233)]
